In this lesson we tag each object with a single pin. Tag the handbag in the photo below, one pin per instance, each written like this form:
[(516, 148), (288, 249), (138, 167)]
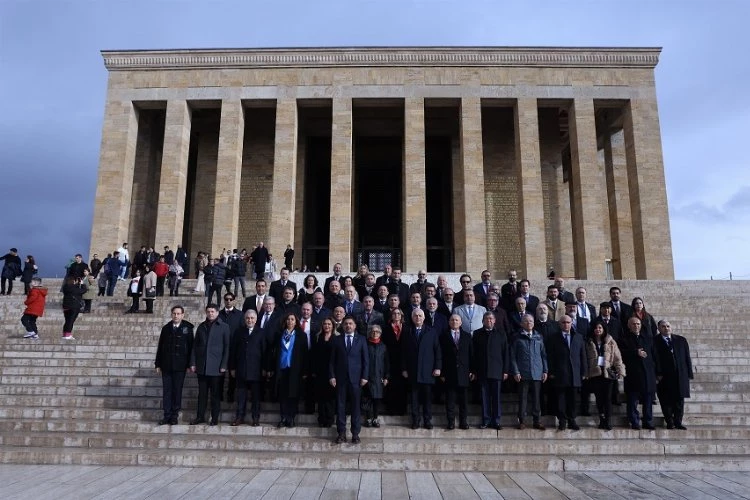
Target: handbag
[(151, 293)]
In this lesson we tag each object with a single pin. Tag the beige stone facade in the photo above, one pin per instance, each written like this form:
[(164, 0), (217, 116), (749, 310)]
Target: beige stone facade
[(450, 159)]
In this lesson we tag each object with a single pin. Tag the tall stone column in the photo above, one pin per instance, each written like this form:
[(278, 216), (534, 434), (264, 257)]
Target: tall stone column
[(115, 184), (648, 193), (415, 199), (173, 181), (228, 176), (621, 224), (340, 239), (281, 225), (587, 193), (471, 231), (530, 195)]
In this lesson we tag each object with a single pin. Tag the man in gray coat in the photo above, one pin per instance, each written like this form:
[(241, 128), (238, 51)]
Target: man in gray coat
[(528, 365), (210, 359)]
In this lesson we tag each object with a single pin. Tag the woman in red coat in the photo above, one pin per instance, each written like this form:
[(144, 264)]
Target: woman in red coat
[(161, 269)]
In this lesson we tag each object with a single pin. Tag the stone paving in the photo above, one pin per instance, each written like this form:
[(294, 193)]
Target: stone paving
[(83, 482)]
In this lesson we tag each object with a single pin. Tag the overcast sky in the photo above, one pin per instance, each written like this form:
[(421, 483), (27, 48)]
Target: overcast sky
[(53, 83)]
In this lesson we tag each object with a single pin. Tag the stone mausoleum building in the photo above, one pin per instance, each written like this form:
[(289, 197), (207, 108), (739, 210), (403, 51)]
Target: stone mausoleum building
[(445, 158)]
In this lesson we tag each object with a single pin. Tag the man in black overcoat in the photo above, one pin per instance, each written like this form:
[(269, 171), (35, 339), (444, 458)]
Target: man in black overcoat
[(247, 364), (640, 382), (210, 359), (173, 361), (491, 366), (674, 371), (422, 361), (566, 358), (458, 358)]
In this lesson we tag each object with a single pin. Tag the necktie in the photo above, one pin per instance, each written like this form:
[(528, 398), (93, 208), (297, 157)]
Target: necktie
[(668, 340), (348, 307), (348, 342), (419, 332), (471, 313), (304, 324), (567, 340), (455, 337), (617, 308), (265, 319), (367, 318), (258, 302), (486, 289), (582, 310), (283, 284)]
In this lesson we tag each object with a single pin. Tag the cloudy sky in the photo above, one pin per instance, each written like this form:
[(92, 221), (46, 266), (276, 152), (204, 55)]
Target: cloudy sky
[(53, 82)]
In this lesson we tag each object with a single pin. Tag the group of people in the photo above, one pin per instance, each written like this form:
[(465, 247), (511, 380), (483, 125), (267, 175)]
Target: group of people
[(367, 344), (12, 269)]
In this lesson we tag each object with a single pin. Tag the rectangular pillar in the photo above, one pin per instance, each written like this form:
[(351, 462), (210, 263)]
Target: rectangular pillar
[(415, 198), (115, 183), (472, 234), (281, 227), (618, 195), (340, 239), (587, 191), (228, 176), (173, 180), (530, 196), (648, 192)]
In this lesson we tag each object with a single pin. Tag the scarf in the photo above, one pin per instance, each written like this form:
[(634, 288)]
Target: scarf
[(396, 330), (374, 341)]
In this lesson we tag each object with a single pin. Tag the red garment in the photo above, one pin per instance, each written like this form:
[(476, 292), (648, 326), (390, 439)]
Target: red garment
[(375, 341), (35, 301), (161, 269), (396, 330)]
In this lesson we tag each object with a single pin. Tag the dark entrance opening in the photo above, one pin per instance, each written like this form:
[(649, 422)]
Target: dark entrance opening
[(438, 180), (316, 214), (378, 201)]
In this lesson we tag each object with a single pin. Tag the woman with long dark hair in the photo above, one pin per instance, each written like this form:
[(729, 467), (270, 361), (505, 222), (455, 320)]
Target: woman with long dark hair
[(289, 350), (72, 303), (325, 395)]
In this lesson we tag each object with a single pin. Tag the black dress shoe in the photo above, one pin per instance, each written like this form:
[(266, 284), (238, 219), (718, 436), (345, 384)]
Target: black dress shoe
[(428, 425), (680, 427), (560, 427), (173, 421), (236, 422), (291, 423), (213, 423), (281, 424), (197, 421), (375, 424), (341, 438), (366, 423), (483, 425), (451, 426), (635, 427), (356, 440), (574, 426), (648, 427), (498, 427), (670, 426), (464, 426), (163, 421), (415, 425), (256, 422)]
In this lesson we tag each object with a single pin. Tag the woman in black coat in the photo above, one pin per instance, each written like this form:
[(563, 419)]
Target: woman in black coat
[(309, 287), (29, 270), (290, 364), (379, 376), (325, 395), (396, 392), (72, 302), (246, 357)]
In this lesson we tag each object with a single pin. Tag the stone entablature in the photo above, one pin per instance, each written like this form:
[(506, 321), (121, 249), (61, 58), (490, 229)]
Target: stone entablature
[(604, 57)]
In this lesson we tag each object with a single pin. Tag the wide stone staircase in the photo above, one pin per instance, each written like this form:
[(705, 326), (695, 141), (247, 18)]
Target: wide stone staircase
[(96, 400)]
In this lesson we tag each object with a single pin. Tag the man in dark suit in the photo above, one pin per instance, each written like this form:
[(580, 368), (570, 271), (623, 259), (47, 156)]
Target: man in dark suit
[(509, 291), (482, 289), (247, 363), (447, 305), (277, 287), (287, 303), (209, 359), (465, 281), (433, 318), (397, 287), (234, 319), (491, 366), (352, 306), (368, 287), (419, 285), (567, 362), (458, 359), (385, 279), (255, 302), (532, 301), (501, 317), (269, 319), (515, 318), (565, 295), (381, 300), (612, 324), (620, 310), (674, 371), (337, 276), (320, 311), (640, 382), (333, 295), (259, 257), (173, 361), (580, 326), (585, 310), (348, 371), (422, 360), (368, 317)]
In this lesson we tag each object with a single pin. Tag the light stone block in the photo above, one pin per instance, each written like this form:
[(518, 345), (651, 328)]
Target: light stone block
[(340, 241), (281, 227), (415, 199)]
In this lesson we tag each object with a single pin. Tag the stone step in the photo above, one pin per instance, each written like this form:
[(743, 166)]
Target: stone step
[(661, 464), (267, 428)]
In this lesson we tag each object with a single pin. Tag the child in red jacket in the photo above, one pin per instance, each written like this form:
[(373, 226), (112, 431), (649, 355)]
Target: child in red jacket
[(34, 308)]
